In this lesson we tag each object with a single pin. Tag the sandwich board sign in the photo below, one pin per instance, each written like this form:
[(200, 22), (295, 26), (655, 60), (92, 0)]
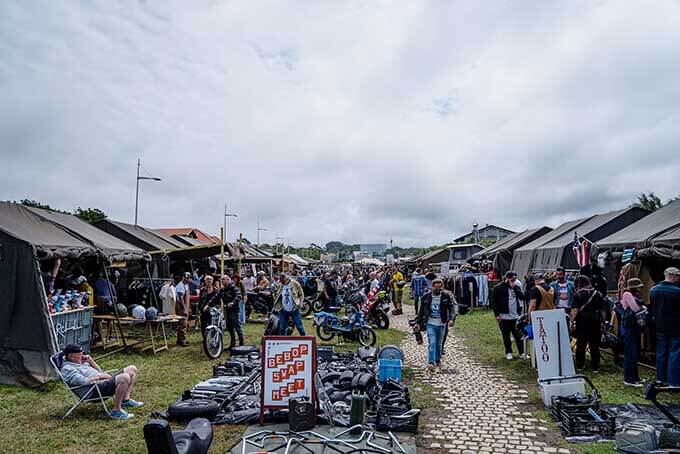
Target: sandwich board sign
[(288, 369), (552, 348)]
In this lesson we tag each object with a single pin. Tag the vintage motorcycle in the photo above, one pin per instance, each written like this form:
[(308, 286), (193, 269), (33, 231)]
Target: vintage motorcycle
[(328, 325), (376, 308)]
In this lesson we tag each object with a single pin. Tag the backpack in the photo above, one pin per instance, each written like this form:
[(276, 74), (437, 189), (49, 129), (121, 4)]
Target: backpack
[(547, 298)]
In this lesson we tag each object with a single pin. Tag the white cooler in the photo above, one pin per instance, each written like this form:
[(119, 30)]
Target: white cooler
[(561, 386)]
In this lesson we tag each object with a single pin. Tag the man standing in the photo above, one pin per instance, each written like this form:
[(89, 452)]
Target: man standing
[(418, 288), (541, 296), (664, 299), (183, 308), (397, 282), (564, 290), (330, 291), (437, 312), (230, 295), (291, 295), (506, 300)]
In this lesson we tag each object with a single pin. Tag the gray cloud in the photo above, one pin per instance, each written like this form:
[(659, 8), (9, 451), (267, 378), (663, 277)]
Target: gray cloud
[(350, 121)]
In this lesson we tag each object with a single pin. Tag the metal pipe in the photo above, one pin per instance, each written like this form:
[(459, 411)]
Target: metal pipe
[(396, 441)]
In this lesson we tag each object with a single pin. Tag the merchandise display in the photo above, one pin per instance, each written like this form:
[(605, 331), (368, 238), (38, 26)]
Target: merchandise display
[(66, 301)]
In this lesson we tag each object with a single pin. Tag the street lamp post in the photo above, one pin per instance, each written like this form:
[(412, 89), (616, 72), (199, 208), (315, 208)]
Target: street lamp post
[(227, 215), (260, 229), (139, 164), (283, 244)]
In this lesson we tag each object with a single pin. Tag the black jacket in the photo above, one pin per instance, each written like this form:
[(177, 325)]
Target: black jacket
[(447, 308), (229, 294), (500, 299)]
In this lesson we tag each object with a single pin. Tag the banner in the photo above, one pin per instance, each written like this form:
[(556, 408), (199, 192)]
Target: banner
[(288, 368)]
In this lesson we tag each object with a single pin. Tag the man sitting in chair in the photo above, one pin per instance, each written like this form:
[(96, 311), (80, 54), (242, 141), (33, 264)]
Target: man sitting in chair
[(79, 370)]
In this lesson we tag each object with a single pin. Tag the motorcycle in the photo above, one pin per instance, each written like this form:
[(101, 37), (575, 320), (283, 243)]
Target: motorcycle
[(309, 303), (213, 340), (328, 325), (272, 326), (261, 302), (375, 309)]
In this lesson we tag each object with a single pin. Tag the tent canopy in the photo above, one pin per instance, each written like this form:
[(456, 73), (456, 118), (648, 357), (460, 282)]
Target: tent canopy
[(48, 239), (112, 247), (137, 235), (654, 226), (501, 252), (522, 258)]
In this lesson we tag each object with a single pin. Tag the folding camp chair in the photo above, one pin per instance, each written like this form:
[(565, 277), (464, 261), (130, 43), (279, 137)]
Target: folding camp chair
[(94, 395)]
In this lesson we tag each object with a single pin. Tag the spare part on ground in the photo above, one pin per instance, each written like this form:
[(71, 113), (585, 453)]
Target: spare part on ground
[(195, 438)]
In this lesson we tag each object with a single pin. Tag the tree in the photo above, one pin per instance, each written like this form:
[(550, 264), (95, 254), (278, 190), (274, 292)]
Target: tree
[(650, 201), (90, 214), (334, 246), (36, 204)]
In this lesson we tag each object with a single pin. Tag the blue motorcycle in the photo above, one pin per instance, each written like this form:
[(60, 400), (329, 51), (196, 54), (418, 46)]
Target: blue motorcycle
[(328, 325)]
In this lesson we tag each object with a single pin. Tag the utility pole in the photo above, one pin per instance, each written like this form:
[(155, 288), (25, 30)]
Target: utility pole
[(283, 244), (227, 215)]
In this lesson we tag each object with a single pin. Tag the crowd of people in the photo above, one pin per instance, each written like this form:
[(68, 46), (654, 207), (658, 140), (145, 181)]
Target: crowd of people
[(590, 313)]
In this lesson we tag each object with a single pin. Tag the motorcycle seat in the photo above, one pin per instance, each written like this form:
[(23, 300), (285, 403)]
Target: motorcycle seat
[(345, 319)]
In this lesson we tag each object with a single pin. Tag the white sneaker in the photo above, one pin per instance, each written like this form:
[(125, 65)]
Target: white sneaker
[(508, 356), (523, 356)]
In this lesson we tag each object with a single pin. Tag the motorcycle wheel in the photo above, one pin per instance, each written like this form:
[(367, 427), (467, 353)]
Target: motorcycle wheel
[(306, 308), (323, 334), (213, 343), (367, 337), (381, 320), (317, 305)]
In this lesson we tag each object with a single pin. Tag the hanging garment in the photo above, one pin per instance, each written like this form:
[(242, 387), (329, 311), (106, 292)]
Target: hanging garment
[(483, 286)]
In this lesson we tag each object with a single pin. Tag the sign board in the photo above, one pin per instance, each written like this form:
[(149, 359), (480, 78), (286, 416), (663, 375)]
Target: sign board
[(444, 267), (288, 369), (552, 348)]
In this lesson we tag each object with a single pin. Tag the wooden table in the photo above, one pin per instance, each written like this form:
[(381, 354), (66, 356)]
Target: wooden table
[(112, 335)]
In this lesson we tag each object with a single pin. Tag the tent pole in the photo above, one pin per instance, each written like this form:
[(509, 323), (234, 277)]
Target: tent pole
[(115, 311), (222, 250), (153, 291)]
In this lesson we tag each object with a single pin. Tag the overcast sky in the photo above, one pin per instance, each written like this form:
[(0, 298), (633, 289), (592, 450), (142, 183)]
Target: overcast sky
[(352, 121)]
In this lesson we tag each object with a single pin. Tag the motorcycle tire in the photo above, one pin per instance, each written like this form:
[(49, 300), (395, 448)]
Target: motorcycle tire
[(213, 343), (367, 337), (323, 334), (381, 320), (185, 410), (317, 305), (306, 307)]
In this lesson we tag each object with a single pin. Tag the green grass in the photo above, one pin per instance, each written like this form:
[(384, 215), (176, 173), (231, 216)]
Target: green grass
[(483, 341), (31, 417)]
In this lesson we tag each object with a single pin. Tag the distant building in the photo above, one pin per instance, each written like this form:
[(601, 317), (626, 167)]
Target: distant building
[(455, 255), (488, 232), (374, 250), (329, 257), (358, 255)]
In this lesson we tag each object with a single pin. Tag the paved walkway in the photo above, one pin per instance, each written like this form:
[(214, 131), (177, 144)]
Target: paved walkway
[(481, 410)]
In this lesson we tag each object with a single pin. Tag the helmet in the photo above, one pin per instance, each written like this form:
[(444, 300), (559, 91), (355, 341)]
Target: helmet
[(151, 313), (121, 309), (139, 312), (131, 309), (401, 284)]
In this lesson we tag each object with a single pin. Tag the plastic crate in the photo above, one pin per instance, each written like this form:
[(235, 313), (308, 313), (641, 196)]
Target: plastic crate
[(73, 327), (395, 423), (583, 424), (572, 404), (389, 368)]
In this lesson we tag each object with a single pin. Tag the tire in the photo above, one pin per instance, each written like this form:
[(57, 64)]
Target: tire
[(306, 307), (213, 343), (367, 337), (243, 350), (382, 321), (323, 334), (185, 410), (317, 305)]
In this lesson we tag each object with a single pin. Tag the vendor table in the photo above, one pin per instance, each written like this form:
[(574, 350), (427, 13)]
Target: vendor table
[(112, 335)]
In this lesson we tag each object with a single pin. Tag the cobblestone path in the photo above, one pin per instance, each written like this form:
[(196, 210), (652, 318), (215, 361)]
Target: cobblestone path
[(481, 410)]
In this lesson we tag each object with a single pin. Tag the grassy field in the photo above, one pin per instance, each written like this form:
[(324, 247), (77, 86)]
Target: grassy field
[(31, 417), (479, 328)]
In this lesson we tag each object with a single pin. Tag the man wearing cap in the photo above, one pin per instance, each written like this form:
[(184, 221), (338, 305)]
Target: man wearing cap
[(436, 314), (291, 296), (506, 298), (81, 370), (664, 299), (541, 296)]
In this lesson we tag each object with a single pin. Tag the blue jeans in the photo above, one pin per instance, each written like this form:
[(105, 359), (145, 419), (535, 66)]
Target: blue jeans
[(668, 359), (242, 312), (435, 341), (417, 299), (631, 353), (297, 319)]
